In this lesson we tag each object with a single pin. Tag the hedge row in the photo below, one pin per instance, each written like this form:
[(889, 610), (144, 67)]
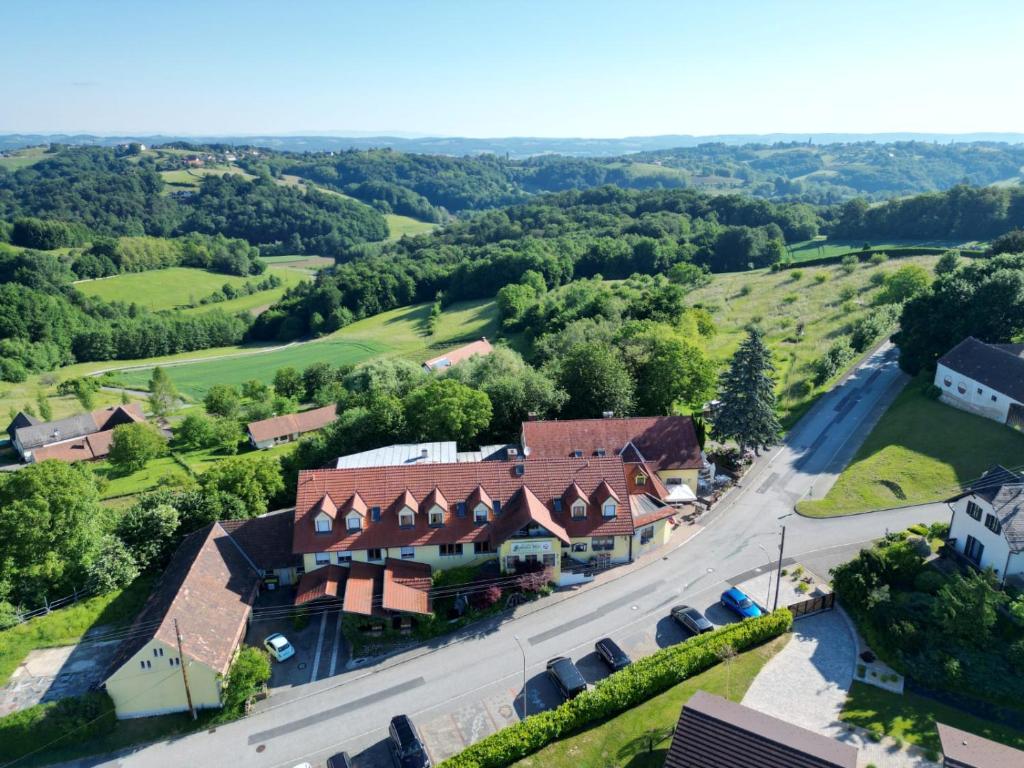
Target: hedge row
[(620, 691), (80, 718)]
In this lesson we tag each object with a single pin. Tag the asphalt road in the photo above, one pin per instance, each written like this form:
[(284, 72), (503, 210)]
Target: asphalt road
[(462, 688)]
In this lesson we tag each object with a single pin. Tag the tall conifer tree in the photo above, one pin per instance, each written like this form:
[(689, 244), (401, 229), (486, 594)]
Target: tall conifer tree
[(747, 392)]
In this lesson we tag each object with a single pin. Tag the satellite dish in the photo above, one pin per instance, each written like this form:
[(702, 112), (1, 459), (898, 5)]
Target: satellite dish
[(527, 450)]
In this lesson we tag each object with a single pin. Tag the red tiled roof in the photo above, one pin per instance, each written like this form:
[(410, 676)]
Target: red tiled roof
[(406, 586), (267, 539), (326, 582), (94, 446), (292, 423), (665, 442), (653, 484), (327, 506), (381, 486), (526, 508), (116, 415), (364, 580), (456, 356)]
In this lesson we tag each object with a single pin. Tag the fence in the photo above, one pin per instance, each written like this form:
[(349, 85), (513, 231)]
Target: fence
[(51, 605), (813, 605)]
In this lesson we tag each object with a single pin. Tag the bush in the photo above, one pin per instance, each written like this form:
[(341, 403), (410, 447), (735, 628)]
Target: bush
[(878, 258), (849, 263), (86, 717), (489, 597), (620, 691), (833, 361), (246, 677), (112, 566), (878, 279), (796, 274), (821, 277)]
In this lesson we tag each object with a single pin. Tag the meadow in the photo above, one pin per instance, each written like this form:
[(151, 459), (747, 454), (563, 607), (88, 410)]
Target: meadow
[(823, 248), (801, 317), (178, 287), (191, 178), (22, 158), (399, 226)]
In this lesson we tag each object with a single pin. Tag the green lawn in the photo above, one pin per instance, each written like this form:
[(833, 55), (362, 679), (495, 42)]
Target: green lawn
[(822, 247), (921, 449), (800, 318), (640, 737), (180, 286), (406, 225), (912, 718), (67, 625)]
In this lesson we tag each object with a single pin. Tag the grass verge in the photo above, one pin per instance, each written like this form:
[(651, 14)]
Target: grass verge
[(912, 718), (640, 737), (919, 451)]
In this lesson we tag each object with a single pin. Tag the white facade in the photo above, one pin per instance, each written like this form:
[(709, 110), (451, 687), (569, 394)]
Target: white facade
[(967, 394), (974, 538)]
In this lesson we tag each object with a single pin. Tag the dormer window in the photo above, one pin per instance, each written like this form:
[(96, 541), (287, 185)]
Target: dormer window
[(322, 523), (641, 479), (436, 516), (406, 518), (609, 509), (579, 509), (480, 513), (600, 452), (577, 454), (353, 523)]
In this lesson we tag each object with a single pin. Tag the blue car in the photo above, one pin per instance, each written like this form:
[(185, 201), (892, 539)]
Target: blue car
[(737, 601)]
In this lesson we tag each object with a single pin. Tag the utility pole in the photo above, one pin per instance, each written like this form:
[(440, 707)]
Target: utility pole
[(778, 580), (523, 651), (184, 673)]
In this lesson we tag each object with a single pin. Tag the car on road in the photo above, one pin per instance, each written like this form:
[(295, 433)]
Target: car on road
[(566, 677), (340, 760), (611, 654), (690, 619), (407, 747), (277, 645), (736, 600)]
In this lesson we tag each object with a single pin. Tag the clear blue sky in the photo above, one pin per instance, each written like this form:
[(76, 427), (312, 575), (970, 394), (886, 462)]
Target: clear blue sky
[(495, 68)]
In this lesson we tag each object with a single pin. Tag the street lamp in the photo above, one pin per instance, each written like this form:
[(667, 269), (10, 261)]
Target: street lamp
[(522, 651), (782, 546), (768, 557)]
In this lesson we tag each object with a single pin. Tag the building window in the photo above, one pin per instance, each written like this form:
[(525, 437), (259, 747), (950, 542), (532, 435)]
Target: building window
[(146, 664), (483, 548), (979, 390), (450, 550), (375, 514), (579, 547), (579, 509), (158, 651), (354, 523), (577, 454), (480, 513), (973, 550), (600, 452), (437, 516), (323, 524), (993, 524), (175, 662), (646, 534), (602, 543), (344, 557), (497, 507), (948, 382), (322, 558), (374, 554), (974, 510), (557, 504), (406, 519), (408, 553), (609, 509), (549, 561), (961, 388), (460, 509), (995, 399), (641, 479)]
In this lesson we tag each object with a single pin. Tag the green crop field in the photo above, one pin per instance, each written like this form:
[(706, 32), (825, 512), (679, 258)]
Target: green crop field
[(398, 226), (180, 286), (801, 318), (401, 332)]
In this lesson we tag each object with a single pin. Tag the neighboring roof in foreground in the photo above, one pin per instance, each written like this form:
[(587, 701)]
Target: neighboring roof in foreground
[(966, 750), (997, 366), (1004, 490), (713, 732)]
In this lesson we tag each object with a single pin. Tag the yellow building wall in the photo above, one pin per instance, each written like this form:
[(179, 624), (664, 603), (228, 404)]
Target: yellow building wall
[(160, 689), (662, 532), (619, 554), (688, 476), (431, 555), (506, 550)]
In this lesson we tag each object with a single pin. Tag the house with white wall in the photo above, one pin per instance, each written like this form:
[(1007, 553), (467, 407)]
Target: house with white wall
[(987, 526), (984, 379)]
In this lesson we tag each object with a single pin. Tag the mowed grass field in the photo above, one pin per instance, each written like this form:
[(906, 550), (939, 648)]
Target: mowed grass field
[(801, 318), (823, 248), (22, 158), (920, 451), (180, 286), (401, 332), (399, 226), (191, 178)]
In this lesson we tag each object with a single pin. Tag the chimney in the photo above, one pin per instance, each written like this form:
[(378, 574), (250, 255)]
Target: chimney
[(531, 416), (424, 454), (511, 453), (608, 414)]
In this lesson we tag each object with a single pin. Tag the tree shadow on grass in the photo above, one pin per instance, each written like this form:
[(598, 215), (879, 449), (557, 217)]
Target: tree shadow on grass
[(647, 749)]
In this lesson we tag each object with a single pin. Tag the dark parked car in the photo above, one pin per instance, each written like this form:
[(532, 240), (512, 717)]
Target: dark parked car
[(736, 600), (407, 748), (611, 654), (691, 619), (340, 760), (566, 677)]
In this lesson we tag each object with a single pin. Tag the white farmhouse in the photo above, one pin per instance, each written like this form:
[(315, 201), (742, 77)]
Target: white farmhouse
[(987, 527), (985, 379)]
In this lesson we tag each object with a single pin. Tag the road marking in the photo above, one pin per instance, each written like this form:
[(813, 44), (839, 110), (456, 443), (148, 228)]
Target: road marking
[(337, 644), (327, 714), (767, 482), (319, 647)]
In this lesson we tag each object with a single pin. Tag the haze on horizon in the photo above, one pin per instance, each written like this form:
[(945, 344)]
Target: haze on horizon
[(503, 69)]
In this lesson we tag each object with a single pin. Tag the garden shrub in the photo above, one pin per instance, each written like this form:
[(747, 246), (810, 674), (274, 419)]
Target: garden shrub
[(620, 691), (87, 716), (248, 674)]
